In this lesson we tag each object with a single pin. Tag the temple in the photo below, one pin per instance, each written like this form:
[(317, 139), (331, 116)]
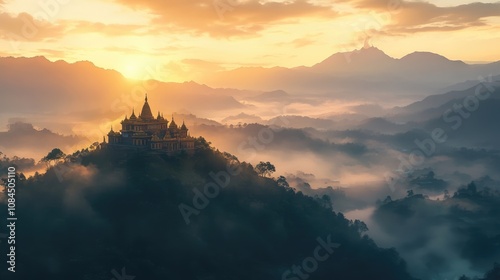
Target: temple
[(145, 132)]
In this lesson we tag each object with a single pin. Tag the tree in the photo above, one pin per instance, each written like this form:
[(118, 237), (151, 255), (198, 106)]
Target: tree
[(55, 155), (265, 169), (410, 193), (231, 158), (201, 143), (282, 182), (94, 146), (325, 201), (359, 225)]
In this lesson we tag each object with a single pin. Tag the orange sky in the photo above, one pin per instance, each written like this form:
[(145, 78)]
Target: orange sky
[(182, 37)]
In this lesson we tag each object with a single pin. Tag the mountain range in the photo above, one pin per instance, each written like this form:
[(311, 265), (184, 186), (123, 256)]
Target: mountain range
[(353, 73), (46, 93)]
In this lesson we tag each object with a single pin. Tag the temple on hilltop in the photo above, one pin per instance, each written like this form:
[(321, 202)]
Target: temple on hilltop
[(145, 132)]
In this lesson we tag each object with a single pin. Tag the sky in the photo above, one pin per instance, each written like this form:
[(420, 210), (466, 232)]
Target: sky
[(137, 37)]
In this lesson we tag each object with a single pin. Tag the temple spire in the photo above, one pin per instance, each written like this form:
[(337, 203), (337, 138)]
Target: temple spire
[(146, 110), (172, 123)]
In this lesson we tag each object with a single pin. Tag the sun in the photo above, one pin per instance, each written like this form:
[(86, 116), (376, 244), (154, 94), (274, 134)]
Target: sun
[(152, 68), (133, 72), (136, 68)]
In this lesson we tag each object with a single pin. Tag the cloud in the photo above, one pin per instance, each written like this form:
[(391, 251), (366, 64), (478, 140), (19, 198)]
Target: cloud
[(421, 17), (304, 41), (51, 52), (230, 18), (157, 51), (202, 64), (23, 27), (412, 17), (107, 29), (222, 18)]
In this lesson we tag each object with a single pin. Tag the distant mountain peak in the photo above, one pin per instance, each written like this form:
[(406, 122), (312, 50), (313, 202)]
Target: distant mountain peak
[(369, 48), (424, 54), (371, 52), (427, 56), (367, 55)]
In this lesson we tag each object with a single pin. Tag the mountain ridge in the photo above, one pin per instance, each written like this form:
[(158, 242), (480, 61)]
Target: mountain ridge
[(416, 72)]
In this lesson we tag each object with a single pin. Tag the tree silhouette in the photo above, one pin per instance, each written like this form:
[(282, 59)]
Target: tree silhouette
[(265, 169), (94, 146), (387, 199), (201, 143), (282, 182), (55, 155)]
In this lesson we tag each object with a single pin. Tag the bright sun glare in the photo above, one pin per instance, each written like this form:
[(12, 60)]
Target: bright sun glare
[(133, 71), (135, 68)]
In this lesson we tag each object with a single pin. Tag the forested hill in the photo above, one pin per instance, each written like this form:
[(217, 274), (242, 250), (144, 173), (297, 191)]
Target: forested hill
[(110, 214)]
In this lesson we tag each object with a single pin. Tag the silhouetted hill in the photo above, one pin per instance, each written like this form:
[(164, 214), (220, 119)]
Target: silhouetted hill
[(293, 121), (242, 118), (465, 115), (367, 72), (382, 125), (427, 60), (192, 120), (461, 231), (363, 61), (22, 139), (423, 107), (466, 118), (56, 86), (272, 96), (81, 91), (478, 130), (120, 212)]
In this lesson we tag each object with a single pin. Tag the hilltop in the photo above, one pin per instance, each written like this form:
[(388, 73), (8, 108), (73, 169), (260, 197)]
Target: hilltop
[(111, 210)]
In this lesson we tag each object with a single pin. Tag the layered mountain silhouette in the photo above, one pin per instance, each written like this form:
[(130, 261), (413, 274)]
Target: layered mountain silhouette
[(82, 90), (423, 107), (110, 210), (22, 139), (367, 70)]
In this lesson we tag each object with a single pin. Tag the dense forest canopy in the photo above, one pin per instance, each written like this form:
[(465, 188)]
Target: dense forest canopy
[(111, 210)]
